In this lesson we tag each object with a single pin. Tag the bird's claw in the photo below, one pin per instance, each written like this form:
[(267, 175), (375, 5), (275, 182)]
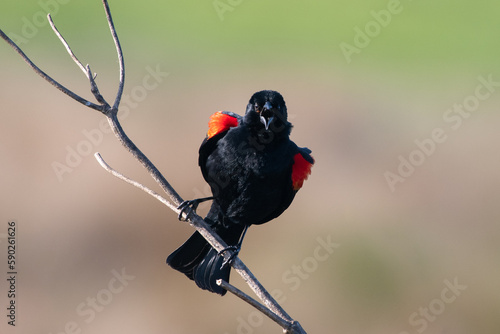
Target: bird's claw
[(229, 261), (235, 249), (189, 207)]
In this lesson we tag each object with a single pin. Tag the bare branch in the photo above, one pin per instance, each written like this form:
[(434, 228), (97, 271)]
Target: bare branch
[(273, 310), (215, 241), (95, 90), (132, 182), (47, 78), (259, 289), (66, 45), (141, 157), (240, 294), (86, 70), (294, 328), (289, 326), (119, 53)]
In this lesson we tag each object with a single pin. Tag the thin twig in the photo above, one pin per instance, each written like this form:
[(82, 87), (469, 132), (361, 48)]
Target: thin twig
[(93, 86), (66, 45), (289, 326), (46, 77), (142, 158), (111, 114), (132, 182), (119, 53), (240, 294), (259, 289), (95, 90)]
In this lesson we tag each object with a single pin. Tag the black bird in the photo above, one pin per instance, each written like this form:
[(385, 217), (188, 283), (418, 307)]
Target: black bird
[(254, 171)]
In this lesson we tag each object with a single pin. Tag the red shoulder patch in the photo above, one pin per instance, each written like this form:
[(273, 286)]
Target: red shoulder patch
[(300, 171), (220, 122)]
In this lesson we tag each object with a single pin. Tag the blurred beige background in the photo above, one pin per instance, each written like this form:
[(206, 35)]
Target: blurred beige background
[(373, 88)]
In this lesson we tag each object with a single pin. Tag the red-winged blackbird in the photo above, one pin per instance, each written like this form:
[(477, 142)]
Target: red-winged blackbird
[(254, 171)]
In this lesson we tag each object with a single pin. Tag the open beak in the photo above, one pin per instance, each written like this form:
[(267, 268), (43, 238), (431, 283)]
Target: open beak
[(267, 115)]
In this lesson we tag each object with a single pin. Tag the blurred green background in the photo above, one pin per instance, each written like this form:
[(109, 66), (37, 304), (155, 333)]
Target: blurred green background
[(397, 249)]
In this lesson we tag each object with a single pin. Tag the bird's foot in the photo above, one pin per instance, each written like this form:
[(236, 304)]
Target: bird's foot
[(235, 249), (188, 207)]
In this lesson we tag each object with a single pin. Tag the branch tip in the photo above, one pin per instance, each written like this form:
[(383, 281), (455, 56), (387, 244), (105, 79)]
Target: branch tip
[(119, 53), (289, 326), (66, 45), (122, 177)]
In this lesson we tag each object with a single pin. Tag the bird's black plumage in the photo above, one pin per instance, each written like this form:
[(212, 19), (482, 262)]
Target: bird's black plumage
[(254, 171)]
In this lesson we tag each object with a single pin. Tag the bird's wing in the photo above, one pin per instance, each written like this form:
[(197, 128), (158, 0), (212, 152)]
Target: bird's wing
[(222, 121), (302, 164), (218, 125)]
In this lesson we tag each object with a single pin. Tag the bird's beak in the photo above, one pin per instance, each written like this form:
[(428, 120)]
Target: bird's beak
[(267, 115)]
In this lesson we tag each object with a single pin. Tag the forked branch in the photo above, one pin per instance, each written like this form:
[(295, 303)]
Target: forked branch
[(271, 308)]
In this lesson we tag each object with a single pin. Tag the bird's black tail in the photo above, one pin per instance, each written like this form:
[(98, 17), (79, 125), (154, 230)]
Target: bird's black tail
[(200, 262)]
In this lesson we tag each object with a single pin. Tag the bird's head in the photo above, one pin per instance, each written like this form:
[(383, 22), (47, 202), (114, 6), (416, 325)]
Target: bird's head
[(268, 108)]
